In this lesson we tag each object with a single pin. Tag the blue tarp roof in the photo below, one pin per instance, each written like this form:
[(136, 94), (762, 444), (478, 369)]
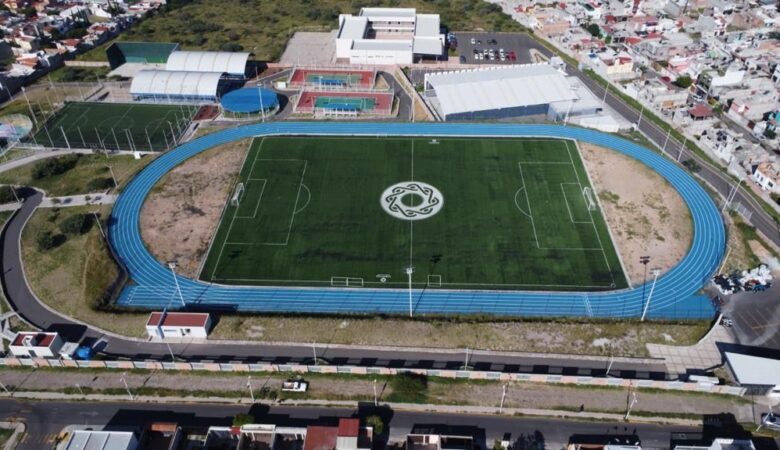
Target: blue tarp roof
[(249, 100)]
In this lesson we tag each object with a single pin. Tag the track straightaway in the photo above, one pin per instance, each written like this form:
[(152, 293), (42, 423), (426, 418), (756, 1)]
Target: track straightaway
[(675, 294)]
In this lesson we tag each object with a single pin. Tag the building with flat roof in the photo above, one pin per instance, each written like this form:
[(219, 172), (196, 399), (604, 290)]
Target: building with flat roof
[(759, 375), (33, 344), (499, 92), (176, 324), (388, 36), (103, 440)]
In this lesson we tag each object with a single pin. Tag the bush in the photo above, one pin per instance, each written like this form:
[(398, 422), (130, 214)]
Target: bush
[(376, 423), (47, 240), (243, 419), (683, 81), (55, 166), (7, 194), (408, 388), (691, 165), (100, 184), (76, 224)]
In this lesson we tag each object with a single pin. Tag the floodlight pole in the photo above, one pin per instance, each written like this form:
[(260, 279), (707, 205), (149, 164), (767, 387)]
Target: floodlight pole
[(116, 141), (249, 386), (111, 170), (668, 133), (630, 406), (503, 397), (173, 134), (260, 95), (83, 142), (644, 260), (29, 106), (466, 362), (656, 272), (66, 137), (148, 139), (679, 155), (409, 272), (100, 226), (172, 266), (314, 352), (376, 398), (731, 196)]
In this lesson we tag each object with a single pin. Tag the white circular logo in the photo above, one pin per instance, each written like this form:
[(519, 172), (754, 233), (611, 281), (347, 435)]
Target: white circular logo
[(411, 200)]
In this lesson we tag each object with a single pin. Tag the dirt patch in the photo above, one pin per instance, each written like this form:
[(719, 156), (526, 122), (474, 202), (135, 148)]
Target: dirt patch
[(182, 212), (645, 213)]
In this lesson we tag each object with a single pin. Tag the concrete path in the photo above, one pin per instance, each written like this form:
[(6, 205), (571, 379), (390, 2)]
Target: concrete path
[(693, 359), (78, 200), (10, 207)]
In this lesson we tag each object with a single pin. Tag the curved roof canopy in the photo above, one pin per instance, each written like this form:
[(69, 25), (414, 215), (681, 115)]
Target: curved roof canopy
[(233, 63), (175, 83), (249, 100)]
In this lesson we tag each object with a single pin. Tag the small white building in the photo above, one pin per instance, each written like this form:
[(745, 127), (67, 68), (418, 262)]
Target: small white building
[(31, 344), (767, 176), (388, 36), (105, 440), (758, 375), (178, 325)]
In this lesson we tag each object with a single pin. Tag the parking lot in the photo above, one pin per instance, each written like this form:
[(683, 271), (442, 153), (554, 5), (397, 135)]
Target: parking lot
[(515, 45)]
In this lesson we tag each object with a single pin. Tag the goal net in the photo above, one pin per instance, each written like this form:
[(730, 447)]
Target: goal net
[(589, 200), (238, 194)]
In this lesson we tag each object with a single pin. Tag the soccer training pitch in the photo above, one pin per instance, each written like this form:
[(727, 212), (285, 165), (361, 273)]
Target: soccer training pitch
[(116, 126), (497, 214)]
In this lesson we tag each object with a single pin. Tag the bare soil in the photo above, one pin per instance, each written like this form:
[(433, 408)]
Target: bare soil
[(182, 213), (644, 212)]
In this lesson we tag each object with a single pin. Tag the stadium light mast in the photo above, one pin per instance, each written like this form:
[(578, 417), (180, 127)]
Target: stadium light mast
[(172, 266), (644, 260), (409, 272), (656, 272)]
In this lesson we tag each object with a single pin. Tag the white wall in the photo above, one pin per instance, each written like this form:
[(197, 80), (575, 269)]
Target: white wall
[(380, 57)]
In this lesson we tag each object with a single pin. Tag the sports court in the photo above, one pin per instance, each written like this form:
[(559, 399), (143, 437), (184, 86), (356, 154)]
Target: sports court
[(371, 103), (112, 126), (492, 214), (329, 78)]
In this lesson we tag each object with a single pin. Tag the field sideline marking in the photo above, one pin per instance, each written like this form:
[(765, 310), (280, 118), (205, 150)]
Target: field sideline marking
[(404, 283), (590, 214), (566, 201), (522, 189)]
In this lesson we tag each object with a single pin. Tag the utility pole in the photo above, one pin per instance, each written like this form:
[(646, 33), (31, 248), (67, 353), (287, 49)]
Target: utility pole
[(173, 358), (409, 272), (668, 133), (111, 169), (314, 352), (249, 386), (2, 385), (731, 196), (656, 272), (630, 405), (100, 226), (127, 388), (503, 397), (466, 363), (611, 360), (376, 397), (644, 260), (172, 266)]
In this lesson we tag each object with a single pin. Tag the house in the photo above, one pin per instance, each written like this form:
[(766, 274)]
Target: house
[(177, 325), (107, 440), (163, 436), (662, 94), (437, 438), (721, 444), (36, 345), (700, 111), (348, 435), (767, 176)]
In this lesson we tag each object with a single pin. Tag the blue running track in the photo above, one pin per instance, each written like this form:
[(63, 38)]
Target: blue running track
[(676, 294)]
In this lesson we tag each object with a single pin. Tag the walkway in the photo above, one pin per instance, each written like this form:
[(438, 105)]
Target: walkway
[(695, 359)]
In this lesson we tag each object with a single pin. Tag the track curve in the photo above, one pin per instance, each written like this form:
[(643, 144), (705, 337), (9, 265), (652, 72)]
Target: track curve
[(675, 293)]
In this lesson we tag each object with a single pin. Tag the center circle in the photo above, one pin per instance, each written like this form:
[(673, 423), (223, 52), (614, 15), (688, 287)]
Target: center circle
[(411, 200)]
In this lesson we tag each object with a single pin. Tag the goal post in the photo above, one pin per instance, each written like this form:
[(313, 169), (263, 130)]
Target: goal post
[(238, 195), (587, 194)]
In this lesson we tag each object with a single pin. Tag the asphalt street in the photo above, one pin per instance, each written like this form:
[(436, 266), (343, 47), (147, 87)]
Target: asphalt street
[(45, 420)]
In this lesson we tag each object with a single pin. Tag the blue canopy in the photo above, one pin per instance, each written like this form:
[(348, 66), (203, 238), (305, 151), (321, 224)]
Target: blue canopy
[(249, 100)]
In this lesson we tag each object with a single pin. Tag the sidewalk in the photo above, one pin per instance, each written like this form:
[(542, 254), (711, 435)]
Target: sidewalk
[(452, 409), (97, 198), (703, 355)]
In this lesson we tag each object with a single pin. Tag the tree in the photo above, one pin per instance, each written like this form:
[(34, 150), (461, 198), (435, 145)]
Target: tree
[(770, 134), (100, 184), (691, 165), (45, 241), (54, 166), (594, 30), (243, 419), (376, 423), (7, 194), (683, 81), (76, 224)]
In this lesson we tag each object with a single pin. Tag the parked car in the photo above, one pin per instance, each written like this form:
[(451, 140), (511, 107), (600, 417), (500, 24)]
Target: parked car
[(473, 41), (492, 42)]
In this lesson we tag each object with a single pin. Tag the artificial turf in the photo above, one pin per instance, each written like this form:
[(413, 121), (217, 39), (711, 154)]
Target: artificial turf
[(513, 217), (115, 126)]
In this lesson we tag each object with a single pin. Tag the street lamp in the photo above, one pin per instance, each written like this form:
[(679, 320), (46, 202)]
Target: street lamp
[(656, 272), (409, 272), (172, 266), (644, 260)]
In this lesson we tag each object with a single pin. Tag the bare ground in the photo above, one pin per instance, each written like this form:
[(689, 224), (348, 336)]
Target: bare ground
[(182, 212), (644, 212)]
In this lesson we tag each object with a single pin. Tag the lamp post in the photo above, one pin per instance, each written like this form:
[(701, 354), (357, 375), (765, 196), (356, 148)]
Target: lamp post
[(249, 386), (127, 388), (172, 266), (409, 272), (644, 260), (656, 272)]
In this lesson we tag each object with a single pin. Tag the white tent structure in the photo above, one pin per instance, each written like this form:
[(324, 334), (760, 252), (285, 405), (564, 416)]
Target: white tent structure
[(175, 85), (498, 92), (231, 63)]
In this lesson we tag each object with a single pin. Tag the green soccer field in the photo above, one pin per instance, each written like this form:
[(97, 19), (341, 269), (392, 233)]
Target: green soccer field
[(465, 213), (112, 126)]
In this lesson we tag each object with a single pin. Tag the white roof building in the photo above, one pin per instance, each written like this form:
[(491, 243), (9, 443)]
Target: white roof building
[(495, 92), (103, 440), (388, 36), (756, 373), (175, 84), (231, 63)]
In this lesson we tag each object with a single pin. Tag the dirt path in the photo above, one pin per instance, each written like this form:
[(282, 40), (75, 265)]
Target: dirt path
[(644, 212), (182, 212)]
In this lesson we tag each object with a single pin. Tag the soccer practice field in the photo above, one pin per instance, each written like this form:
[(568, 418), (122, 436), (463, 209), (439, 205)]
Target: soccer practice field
[(515, 214), (112, 126)]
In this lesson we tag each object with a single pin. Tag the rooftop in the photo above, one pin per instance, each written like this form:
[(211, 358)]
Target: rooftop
[(101, 440), (320, 438), (754, 370), (177, 319), (33, 339)]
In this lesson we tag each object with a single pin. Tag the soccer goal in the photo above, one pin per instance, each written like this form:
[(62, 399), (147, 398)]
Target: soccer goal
[(587, 193), (238, 195), (346, 282)]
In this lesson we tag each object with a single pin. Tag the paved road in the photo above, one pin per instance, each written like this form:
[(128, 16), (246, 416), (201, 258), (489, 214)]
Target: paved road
[(45, 420), (27, 305)]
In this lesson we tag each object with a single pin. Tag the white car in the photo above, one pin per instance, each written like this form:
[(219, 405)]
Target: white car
[(473, 41)]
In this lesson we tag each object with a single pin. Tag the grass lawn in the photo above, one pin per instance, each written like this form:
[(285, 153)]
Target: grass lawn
[(73, 276), (116, 126), (5, 435), (77, 180), (514, 215), (263, 26)]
